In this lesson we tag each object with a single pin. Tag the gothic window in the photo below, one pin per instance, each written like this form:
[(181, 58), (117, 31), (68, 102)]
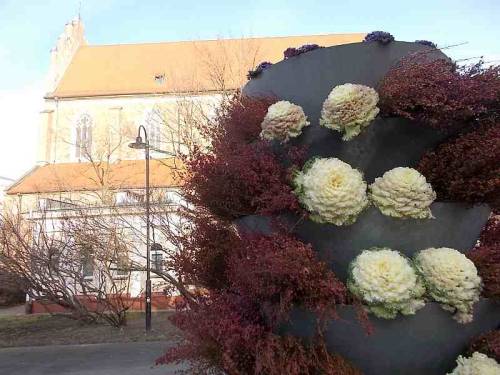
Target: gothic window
[(83, 134)]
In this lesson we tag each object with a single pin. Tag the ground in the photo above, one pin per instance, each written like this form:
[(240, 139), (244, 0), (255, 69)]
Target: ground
[(57, 345), (35, 330), (132, 358)]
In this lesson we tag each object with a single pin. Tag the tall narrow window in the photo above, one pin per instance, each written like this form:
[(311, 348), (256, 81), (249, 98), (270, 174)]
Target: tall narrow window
[(87, 264), (121, 263), (83, 142), (157, 257)]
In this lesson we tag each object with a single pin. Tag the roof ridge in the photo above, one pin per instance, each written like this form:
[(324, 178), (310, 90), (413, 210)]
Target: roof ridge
[(65, 177), (66, 163), (216, 40), (121, 69)]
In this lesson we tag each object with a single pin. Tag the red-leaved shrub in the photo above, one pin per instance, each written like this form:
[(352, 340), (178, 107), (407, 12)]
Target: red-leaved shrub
[(238, 121), (279, 271), (287, 355), (239, 174), (225, 333), (490, 235), (486, 257), (467, 168), (220, 334), (246, 283), (205, 250), (488, 343), (487, 261), (248, 180), (439, 93), (251, 282)]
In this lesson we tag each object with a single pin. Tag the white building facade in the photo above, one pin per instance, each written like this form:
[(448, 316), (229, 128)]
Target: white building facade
[(98, 95)]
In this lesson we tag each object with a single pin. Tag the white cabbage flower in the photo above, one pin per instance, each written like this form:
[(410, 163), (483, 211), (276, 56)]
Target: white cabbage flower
[(386, 282), (349, 108), (451, 279), (282, 121), (331, 190), (477, 364), (403, 192)]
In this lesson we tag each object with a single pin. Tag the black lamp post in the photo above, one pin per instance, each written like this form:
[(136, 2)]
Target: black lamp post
[(140, 144)]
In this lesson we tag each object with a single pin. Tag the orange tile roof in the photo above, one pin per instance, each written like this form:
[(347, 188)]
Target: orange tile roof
[(126, 174), (191, 66)]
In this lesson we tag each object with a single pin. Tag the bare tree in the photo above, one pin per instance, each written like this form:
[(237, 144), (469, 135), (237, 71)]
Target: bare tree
[(57, 255), (70, 263)]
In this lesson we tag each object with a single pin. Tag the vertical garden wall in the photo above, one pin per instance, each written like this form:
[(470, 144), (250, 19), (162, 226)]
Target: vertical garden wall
[(341, 204)]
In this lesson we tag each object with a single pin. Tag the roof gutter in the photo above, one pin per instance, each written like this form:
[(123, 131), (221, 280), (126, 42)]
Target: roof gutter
[(138, 94)]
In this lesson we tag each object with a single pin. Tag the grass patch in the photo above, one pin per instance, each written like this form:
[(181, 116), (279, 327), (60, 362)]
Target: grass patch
[(36, 330)]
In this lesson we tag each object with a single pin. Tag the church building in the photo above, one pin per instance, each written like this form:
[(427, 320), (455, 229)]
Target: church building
[(97, 96)]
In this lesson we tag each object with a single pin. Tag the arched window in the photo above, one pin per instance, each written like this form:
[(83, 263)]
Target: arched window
[(83, 134), (153, 122)]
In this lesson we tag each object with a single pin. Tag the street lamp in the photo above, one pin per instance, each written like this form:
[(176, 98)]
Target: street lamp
[(139, 144)]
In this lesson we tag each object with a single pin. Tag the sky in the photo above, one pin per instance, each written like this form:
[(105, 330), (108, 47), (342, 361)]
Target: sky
[(29, 29)]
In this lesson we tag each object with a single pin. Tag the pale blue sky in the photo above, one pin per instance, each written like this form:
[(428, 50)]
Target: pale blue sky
[(29, 29)]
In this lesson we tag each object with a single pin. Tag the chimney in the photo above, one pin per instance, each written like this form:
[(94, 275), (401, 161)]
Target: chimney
[(61, 55)]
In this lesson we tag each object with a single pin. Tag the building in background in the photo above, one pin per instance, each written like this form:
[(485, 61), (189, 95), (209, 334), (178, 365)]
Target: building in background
[(98, 95), (5, 183)]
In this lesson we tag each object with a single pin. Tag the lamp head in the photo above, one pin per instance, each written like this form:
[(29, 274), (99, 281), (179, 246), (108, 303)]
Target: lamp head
[(138, 144)]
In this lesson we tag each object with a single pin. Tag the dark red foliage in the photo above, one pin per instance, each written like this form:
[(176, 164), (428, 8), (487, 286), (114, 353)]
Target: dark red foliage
[(487, 261), (292, 51), (287, 355), (240, 174), (248, 180), (247, 283), (203, 261), (220, 334), (439, 93), (467, 168), (238, 122), (486, 257), (489, 344), (252, 282), (279, 271), (490, 235), (223, 333)]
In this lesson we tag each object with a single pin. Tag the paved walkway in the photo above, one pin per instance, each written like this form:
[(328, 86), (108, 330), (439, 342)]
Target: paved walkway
[(135, 358)]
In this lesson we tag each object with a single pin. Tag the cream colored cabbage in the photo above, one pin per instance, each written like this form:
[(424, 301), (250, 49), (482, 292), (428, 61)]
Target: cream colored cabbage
[(386, 282), (331, 190), (403, 192), (477, 364), (451, 279), (282, 121), (349, 108)]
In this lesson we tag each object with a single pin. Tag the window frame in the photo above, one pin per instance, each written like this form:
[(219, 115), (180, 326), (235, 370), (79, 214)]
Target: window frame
[(83, 129)]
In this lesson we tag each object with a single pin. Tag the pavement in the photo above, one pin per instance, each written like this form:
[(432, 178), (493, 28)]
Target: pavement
[(136, 358)]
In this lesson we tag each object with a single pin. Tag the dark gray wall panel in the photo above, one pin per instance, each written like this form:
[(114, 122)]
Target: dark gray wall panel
[(456, 225), (307, 80), (425, 343), (428, 342)]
